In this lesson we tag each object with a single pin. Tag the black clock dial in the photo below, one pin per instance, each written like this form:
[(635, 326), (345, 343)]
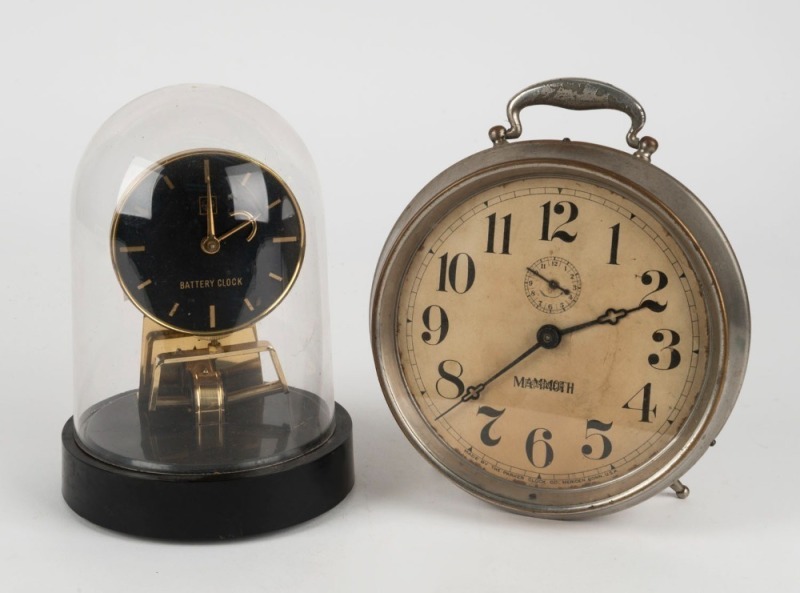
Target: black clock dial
[(207, 242)]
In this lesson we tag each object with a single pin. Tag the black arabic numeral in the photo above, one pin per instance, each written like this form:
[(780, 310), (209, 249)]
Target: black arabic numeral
[(660, 280), (587, 449), (614, 245), (645, 407), (486, 437), (559, 209), (536, 448), (451, 380), (506, 233), (674, 357), (459, 277), (435, 335)]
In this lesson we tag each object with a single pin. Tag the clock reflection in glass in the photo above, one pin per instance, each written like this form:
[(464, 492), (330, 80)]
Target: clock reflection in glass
[(208, 242)]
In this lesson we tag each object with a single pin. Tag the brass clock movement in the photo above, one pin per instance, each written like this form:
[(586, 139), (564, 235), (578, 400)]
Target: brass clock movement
[(203, 389), (561, 328)]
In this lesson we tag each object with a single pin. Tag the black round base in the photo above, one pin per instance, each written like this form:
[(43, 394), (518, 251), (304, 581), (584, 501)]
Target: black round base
[(209, 506)]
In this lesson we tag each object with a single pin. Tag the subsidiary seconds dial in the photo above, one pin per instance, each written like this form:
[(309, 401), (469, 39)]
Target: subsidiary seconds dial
[(552, 284), (207, 241)]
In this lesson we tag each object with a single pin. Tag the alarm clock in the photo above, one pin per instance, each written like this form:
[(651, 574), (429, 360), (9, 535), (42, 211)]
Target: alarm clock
[(560, 327)]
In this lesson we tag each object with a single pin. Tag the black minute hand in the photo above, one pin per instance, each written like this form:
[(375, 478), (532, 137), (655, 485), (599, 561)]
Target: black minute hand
[(474, 391), (549, 337), (611, 317)]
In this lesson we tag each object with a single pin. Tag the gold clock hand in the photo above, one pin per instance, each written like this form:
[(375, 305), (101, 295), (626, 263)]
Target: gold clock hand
[(210, 231), (210, 243), (251, 220)]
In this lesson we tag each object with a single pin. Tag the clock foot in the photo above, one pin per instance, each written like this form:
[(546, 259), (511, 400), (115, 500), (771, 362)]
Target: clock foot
[(681, 491)]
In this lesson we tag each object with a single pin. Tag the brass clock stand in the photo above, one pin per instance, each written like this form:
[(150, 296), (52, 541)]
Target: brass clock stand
[(223, 371)]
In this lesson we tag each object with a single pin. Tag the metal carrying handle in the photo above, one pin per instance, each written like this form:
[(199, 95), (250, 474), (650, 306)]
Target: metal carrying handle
[(578, 94)]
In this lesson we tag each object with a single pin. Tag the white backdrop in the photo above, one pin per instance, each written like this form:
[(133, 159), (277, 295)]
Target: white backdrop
[(386, 95)]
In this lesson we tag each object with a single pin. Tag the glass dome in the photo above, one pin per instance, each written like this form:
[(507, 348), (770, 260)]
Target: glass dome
[(201, 339)]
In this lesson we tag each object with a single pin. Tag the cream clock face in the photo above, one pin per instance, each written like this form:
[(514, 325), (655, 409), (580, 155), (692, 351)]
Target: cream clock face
[(552, 333)]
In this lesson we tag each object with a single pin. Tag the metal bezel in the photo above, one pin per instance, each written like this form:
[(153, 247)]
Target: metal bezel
[(185, 154), (703, 243)]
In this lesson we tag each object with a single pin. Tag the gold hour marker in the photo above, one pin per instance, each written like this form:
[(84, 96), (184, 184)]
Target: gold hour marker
[(212, 316), (145, 283), (131, 249), (248, 303), (284, 239), (275, 203), (173, 310), (275, 277), (246, 178), (169, 183)]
